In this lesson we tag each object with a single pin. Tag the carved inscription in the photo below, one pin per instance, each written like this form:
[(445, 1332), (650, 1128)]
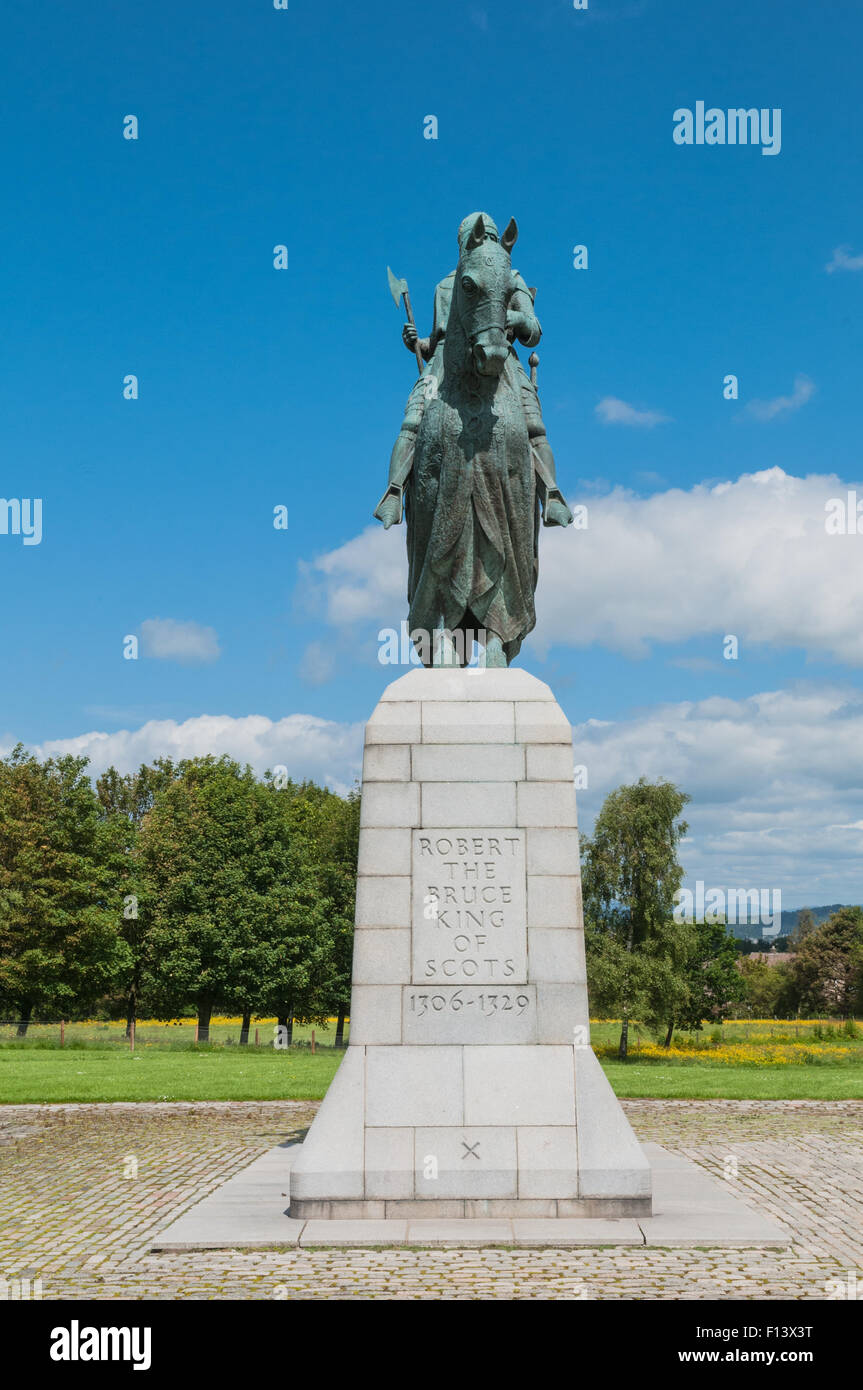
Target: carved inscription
[(485, 1001), (469, 919), (468, 1014)]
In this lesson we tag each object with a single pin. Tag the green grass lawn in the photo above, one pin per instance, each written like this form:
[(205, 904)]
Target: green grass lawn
[(99, 1074), (706, 1082), (153, 1033), (96, 1064)]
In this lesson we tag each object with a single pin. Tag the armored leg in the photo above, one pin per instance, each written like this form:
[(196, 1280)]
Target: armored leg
[(555, 512), (390, 507)]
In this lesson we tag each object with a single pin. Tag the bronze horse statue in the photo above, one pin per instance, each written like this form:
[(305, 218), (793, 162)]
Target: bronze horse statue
[(471, 464)]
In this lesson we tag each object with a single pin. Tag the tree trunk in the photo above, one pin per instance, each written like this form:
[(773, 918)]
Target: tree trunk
[(205, 1009), (624, 1028), (668, 1035), (244, 1027), (24, 1020), (340, 1027), (131, 1012)]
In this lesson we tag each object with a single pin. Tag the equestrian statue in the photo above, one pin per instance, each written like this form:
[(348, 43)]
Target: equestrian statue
[(471, 470)]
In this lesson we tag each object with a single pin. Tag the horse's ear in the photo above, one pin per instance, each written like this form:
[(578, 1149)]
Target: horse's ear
[(510, 235), (477, 234)]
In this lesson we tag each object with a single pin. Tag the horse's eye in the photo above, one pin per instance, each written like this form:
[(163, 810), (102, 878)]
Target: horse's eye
[(468, 285)]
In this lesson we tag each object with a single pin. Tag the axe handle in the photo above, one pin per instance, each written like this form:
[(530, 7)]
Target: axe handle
[(410, 314)]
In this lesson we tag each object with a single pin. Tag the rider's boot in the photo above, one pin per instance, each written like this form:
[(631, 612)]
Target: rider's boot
[(555, 512)]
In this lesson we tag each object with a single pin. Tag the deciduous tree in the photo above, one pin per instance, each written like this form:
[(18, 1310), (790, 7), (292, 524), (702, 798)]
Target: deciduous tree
[(631, 874), (60, 889)]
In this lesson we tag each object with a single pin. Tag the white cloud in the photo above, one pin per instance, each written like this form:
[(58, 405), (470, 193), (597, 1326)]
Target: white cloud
[(803, 391), (166, 639), (612, 411), (309, 747), (375, 557), (750, 558), (843, 261), (776, 782)]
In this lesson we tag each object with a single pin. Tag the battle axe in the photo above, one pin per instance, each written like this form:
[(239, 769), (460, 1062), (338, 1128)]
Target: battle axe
[(399, 291)]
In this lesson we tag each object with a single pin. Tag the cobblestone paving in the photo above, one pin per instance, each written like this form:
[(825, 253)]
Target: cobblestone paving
[(85, 1189)]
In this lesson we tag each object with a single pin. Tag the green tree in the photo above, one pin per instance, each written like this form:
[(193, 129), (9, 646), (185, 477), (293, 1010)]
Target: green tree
[(828, 966), (334, 823), (646, 984), (711, 979), (133, 794), (60, 889), (804, 927), (762, 987), (749, 946), (312, 974), (631, 875), (126, 798), (769, 990), (212, 861)]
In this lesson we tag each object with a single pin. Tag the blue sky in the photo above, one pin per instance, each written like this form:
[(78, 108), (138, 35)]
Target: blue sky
[(258, 387)]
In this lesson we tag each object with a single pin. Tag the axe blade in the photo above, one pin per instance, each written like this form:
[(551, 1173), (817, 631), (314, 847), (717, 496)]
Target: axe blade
[(397, 287)]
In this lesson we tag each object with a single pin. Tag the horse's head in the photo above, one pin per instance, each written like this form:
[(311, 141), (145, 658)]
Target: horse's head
[(484, 283)]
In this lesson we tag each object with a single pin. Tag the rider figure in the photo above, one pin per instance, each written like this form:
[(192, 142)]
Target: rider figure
[(521, 323)]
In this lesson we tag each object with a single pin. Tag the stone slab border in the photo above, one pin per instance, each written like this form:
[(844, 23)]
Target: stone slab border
[(249, 1212)]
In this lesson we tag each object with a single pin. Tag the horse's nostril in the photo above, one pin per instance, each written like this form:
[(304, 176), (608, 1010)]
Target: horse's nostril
[(488, 362)]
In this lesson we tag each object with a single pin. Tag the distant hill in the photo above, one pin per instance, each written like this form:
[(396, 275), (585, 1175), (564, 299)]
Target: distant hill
[(792, 916), (789, 919)]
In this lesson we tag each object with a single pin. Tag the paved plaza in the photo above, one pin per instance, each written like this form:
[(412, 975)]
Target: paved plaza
[(85, 1191)]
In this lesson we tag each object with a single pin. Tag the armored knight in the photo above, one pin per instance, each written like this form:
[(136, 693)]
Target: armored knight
[(451, 583)]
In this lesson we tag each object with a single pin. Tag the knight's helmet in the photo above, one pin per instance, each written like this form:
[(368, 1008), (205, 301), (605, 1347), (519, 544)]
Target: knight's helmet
[(466, 227)]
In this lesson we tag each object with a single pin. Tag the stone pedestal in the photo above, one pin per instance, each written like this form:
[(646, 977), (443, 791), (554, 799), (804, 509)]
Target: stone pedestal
[(469, 1087)]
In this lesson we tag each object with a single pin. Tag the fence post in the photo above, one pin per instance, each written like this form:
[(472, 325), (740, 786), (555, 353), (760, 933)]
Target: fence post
[(256, 1037), (313, 1040), (62, 1033), (132, 1037)]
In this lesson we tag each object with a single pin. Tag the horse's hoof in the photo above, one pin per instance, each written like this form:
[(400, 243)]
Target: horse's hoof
[(494, 655)]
